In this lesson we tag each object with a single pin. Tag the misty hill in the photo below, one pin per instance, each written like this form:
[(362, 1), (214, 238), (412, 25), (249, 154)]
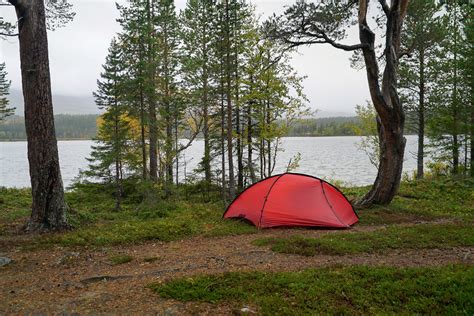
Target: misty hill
[(67, 127), (63, 104), (69, 104)]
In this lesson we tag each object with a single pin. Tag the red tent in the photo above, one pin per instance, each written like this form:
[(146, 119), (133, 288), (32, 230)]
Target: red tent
[(293, 199)]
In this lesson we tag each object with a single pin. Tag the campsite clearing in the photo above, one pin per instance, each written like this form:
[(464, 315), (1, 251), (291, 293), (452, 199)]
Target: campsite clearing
[(95, 270)]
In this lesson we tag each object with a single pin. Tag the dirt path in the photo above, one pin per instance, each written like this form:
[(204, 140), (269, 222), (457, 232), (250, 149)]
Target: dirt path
[(62, 280)]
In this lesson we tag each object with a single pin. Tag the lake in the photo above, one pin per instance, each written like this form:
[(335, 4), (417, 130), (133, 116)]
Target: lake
[(325, 157)]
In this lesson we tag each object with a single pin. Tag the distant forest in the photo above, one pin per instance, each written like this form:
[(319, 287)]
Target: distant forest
[(328, 126), (67, 127), (70, 126)]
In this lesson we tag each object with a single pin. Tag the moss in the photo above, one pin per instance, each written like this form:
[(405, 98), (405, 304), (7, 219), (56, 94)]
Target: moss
[(395, 237), (335, 290)]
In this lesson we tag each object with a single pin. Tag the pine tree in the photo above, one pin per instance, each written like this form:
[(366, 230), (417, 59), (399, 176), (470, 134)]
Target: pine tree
[(5, 111), (423, 34), (198, 59), (170, 110), (109, 157), (450, 123), (136, 42)]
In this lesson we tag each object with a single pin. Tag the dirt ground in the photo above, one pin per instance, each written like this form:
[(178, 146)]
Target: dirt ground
[(83, 280)]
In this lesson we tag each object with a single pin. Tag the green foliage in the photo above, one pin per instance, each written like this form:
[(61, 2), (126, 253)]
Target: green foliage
[(120, 259), (446, 196), (450, 122), (5, 111), (370, 144), (14, 203), (335, 290), (399, 238)]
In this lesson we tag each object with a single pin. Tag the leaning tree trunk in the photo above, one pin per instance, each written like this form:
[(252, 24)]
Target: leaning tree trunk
[(49, 207), (391, 117), (392, 149)]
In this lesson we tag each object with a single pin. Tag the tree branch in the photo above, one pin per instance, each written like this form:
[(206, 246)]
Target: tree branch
[(408, 51), (385, 7), (342, 46), (7, 34)]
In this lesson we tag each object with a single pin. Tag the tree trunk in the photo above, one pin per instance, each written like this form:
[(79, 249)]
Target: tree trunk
[(455, 147), (421, 119), (228, 68), (391, 117), (250, 144), (205, 105), (118, 181), (207, 148), (222, 141), (118, 156), (472, 139), (239, 147), (151, 96), (49, 207), (392, 149), (153, 142), (169, 147), (142, 134), (176, 146)]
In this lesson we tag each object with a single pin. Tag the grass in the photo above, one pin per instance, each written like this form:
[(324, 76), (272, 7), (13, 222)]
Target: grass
[(417, 237), (14, 204), (335, 290), (187, 219), (146, 215), (120, 259), (152, 217), (426, 199)]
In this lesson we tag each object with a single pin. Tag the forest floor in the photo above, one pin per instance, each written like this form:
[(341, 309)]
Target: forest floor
[(214, 269)]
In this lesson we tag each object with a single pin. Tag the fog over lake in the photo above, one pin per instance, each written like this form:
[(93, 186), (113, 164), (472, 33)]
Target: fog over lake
[(336, 157)]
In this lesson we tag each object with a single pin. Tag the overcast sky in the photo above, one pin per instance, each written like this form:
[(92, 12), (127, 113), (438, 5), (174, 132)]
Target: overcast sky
[(78, 51)]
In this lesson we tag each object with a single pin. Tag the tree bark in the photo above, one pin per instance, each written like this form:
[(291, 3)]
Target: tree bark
[(391, 117), (250, 144), (151, 95), (228, 68), (118, 172), (49, 207), (142, 133), (455, 147), (421, 119), (153, 142), (472, 139), (205, 100)]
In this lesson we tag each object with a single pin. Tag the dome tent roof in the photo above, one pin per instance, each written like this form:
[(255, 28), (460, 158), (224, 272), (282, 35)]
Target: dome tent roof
[(293, 199)]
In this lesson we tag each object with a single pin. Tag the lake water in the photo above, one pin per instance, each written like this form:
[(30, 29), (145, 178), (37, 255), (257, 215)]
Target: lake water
[(325, 157)]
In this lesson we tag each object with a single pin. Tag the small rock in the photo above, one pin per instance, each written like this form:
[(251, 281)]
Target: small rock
[(4, 261), (245, 311)]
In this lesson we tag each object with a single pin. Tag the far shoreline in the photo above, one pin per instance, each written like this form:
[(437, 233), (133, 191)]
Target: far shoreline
[(197, 138)]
